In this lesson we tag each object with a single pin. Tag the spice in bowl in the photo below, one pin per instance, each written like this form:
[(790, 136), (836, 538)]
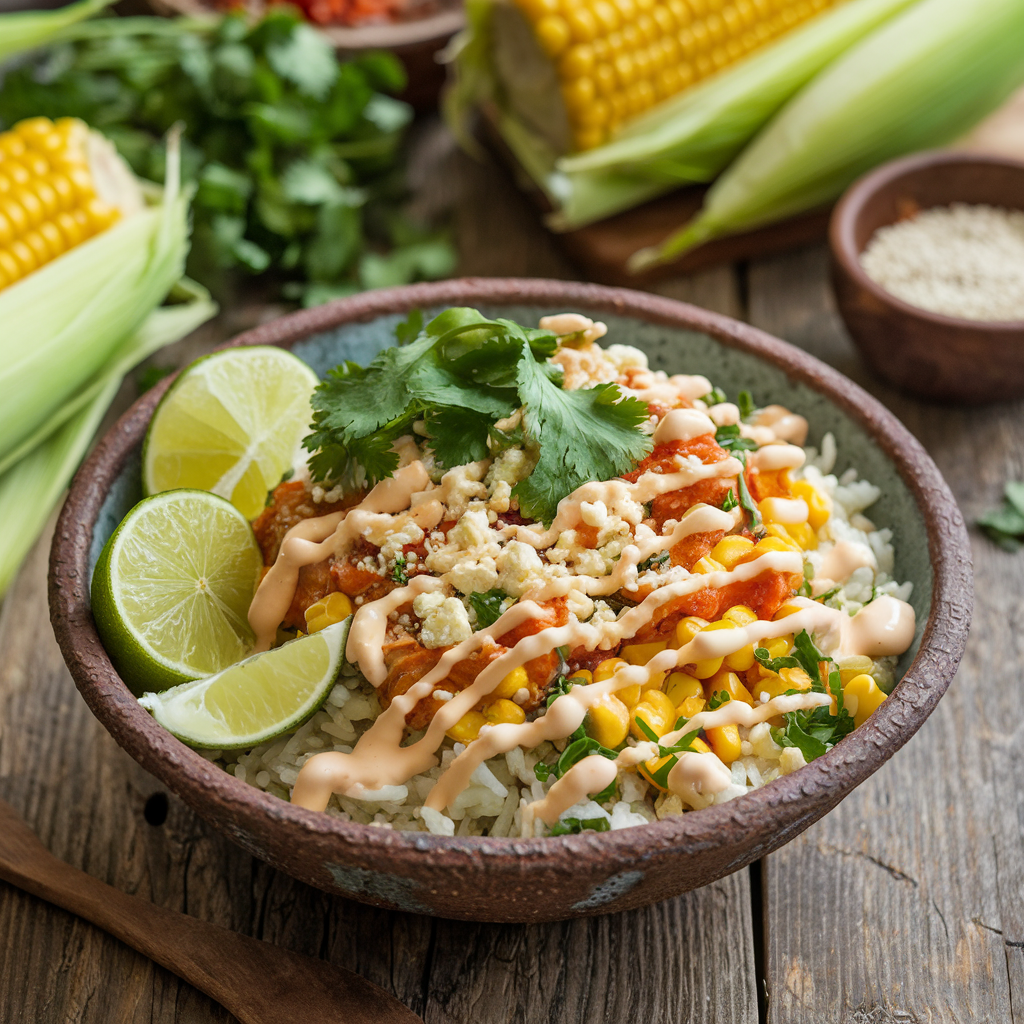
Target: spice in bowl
[(962, 260)]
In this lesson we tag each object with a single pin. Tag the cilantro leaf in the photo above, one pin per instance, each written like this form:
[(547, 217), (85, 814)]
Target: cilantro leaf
[(573, 826), (718, 699), (398, 573), (487, 605), (714, 397), (458, 436), (746, 404), (746, 501), (728, 437), (729, 502), (589, 434)]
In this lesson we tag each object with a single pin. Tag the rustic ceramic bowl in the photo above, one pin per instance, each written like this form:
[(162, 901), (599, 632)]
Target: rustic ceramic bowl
[(926, 354), (546, 879)]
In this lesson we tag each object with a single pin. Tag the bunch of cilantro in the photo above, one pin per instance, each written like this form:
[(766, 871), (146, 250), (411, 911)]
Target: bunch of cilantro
[(460, 374), (295, 156)]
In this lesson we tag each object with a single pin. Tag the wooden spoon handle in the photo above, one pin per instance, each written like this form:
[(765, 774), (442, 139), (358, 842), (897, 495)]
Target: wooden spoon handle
[(259, 983)]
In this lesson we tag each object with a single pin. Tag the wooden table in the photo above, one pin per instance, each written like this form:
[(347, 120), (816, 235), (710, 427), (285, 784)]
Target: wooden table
[(905, 904)]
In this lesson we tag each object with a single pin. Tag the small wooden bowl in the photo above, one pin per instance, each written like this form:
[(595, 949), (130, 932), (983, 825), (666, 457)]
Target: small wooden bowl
[(546, 879), (926, 354)]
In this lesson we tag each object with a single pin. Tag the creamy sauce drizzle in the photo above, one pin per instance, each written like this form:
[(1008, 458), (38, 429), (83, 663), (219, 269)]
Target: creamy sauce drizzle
[(379, 759)]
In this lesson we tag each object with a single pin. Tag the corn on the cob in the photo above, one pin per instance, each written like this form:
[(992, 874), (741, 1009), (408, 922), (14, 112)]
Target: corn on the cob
[(925, 77), (60, 184), (617, 58)]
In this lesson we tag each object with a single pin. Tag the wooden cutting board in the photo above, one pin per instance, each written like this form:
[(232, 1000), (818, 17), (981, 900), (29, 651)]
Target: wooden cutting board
[(601, 250)]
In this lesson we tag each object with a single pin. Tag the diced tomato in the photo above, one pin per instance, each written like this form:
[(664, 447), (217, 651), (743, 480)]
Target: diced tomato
[(690, 550)]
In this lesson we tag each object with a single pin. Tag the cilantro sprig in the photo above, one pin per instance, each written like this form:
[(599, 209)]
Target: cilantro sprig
[(460, 374), (487, 605)]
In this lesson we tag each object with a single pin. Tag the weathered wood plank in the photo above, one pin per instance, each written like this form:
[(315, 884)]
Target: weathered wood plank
[(890, 908)]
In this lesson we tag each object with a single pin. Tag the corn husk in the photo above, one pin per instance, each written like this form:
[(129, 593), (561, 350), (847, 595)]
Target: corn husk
[(32, 482), (25, 30), (66, 321), (921, 80)]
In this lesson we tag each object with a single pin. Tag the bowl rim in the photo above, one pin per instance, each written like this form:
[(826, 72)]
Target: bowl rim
[(843, 224), (776, 806)]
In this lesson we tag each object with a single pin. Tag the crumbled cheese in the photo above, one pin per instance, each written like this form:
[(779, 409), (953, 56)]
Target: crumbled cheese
[(762, 744), (584, 367), (521, 569), (471, 576), (579, 605), (461, 485), (445, 624), (625, 357), (511, 466)]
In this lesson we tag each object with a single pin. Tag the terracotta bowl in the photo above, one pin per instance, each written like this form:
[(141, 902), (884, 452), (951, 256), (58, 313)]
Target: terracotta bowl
[(925, 354), (494, 879)]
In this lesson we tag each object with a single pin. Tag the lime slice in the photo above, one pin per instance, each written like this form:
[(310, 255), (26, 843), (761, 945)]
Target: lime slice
[(172, 588), (232, 424), (256, 700)]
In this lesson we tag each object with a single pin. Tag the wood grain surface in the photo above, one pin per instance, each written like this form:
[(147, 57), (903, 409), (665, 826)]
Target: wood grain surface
[(905, 904)]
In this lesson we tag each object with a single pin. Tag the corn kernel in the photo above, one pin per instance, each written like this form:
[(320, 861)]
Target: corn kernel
[(504, 712), (708, 564), (607, 669), (804, 536), (729, 550), (327, 611), (699, 746), (649, 769), (681, 685), (607, 721), (862, 697), (688, 628), (656, 711), (690, 707), (640, 654), (515, 681), (709, 666), (725, 742), (629, 695), (553, 34), (819, 505), (854, 665), (741, 615), (468, 727), (731, 684)]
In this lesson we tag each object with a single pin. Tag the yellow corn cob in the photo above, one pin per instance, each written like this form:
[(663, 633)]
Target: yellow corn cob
[(617, 58), (59, 185)]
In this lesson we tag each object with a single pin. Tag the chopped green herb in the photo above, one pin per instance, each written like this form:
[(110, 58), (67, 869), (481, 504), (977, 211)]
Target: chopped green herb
[(714, 397), (650, 563), (746, 501), (646, 729), (685, 744), (461, 374), (580, 747), (746, 404), (718, 699), (729, 438), (573, 826), (1005, 525), (398, 573), (487, 605), (730, 501), (829, 594)]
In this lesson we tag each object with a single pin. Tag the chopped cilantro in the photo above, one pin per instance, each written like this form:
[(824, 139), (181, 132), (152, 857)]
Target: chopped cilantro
[(650, 563), (487, 605), (746, 501), (573, 826), (746, 404), (815, 730), (646, 729), (730, 501), (718, 699), (729, 438), (461, 374), (714, 397), (829, 594), (398, 573)]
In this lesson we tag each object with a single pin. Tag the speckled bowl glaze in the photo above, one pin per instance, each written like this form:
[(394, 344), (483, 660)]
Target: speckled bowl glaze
[(547, 879)]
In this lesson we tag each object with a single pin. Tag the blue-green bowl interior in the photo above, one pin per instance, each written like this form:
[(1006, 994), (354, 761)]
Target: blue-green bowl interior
[(675, 351)]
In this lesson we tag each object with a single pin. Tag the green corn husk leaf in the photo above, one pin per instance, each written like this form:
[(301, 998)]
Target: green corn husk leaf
[(692, 136), (25, 30), (922, 79), (30, 489), (31, 483), (66, 321), (166, 324)]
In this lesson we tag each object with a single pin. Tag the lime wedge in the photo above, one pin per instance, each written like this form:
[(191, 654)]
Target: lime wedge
[(172, 588), (257, 699), (232, 424)]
